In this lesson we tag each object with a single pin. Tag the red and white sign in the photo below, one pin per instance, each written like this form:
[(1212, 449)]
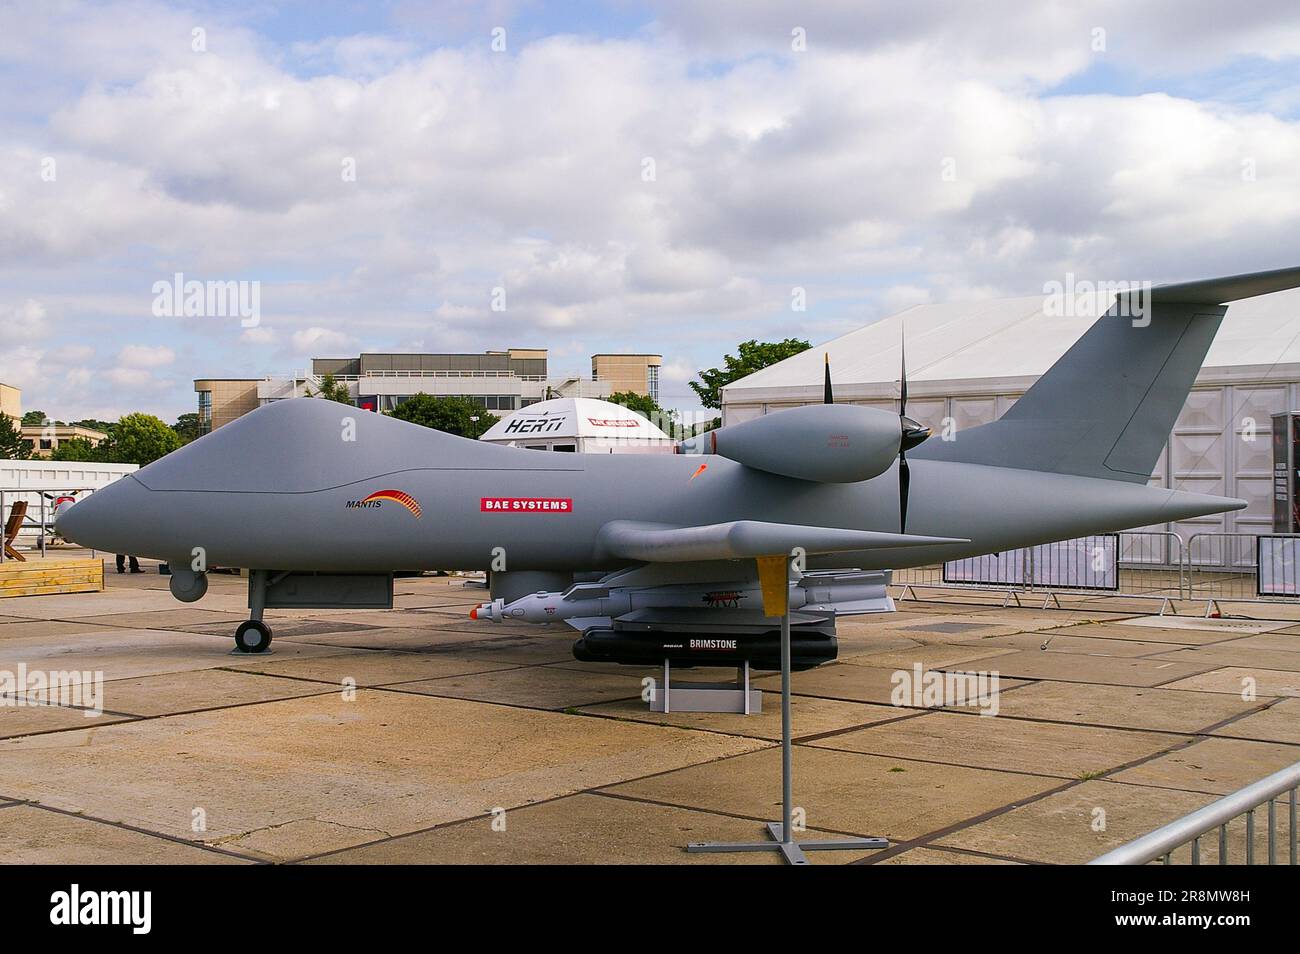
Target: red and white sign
[(613, 422), (525, 504)]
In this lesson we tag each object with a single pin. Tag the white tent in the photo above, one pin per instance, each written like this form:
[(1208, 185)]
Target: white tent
[(579, 425)]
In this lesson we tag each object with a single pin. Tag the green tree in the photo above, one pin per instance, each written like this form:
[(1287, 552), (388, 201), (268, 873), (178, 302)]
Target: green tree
[(643, 404), (33, 417), (140, 439), (77, 449), (649, 408), (187, 427), (330, 390), (12, 445), (752, 356), (455, 415), (94, 425)]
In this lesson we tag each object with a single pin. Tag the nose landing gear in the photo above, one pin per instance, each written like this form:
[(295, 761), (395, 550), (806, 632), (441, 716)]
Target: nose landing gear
[(253, 635)]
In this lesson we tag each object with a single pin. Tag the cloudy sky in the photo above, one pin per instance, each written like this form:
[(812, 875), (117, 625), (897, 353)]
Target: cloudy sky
[(636, 176)]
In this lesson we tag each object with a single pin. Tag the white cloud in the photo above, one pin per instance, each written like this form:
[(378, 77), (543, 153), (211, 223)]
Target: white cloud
[(259, 336), (129, 377), (145, 356), (318, 341), (825, 169), (24, 322)]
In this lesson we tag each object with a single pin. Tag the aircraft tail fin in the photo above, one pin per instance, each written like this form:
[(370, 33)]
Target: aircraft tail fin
[(1106, 407)]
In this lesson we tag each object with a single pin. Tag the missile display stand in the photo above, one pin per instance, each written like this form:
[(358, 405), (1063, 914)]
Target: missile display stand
[(736, 697), (782, 834)]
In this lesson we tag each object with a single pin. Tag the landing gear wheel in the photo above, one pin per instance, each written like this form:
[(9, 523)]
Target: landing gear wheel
[(253, 636)]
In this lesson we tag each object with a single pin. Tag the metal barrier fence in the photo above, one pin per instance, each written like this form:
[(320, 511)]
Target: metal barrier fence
[(1189, 830), (1227, 566), (1154, 564), (1135, 563)]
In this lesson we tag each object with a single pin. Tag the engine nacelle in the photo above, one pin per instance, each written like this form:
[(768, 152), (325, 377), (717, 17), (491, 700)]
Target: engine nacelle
[(828, 443)]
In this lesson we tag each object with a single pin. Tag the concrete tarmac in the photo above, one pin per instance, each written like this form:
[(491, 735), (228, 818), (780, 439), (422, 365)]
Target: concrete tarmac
[(417, 735)]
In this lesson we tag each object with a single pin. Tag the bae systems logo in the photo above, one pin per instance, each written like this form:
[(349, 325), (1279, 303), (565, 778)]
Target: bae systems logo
[(525, 505), (379, 497)]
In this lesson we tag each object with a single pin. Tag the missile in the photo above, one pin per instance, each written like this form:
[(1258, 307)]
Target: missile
[(583, 605)]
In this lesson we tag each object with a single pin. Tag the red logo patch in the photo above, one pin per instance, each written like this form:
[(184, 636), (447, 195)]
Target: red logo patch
[(525, 504)]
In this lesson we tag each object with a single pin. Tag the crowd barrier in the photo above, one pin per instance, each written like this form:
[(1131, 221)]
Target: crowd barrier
[(1150, 564)]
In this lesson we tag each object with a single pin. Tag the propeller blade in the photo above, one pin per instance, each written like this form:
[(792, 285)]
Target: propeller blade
[(904, 483), (902, 394), (912, 434), (827, 396)]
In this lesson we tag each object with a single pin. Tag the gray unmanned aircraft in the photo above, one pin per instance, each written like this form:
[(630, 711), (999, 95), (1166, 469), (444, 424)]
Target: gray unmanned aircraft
[(677, 557)]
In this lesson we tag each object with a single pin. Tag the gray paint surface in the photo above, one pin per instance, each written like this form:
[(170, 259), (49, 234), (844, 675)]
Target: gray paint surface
[(289, 486)]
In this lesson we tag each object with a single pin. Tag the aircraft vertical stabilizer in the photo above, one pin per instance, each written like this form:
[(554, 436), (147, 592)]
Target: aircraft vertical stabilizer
[(1106, 407)]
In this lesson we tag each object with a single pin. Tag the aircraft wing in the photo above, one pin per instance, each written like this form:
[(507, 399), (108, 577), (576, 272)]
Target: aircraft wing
[(738, 539)]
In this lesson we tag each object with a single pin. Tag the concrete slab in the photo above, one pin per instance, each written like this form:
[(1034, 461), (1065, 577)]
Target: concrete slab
[(1076, 825), (1045, 748), (368, 668), (1238, 679), (1230, 654), (931, 629), (934, 656), (295, 777), (535, 648), (580, 829), (1098, 670), (1280, 722), (37, 836), (17, 720), (1060, 641), (809, 716), (76, 605), (1162, 710), (854, 683), (178, 617), (1186, 637), (1214, 766), (48, 629), (842, 791), (178, 692), (283, 628), (1270, 642), (1224, 627), (415, 618), (535, 687), (940, 856), (127, 653)]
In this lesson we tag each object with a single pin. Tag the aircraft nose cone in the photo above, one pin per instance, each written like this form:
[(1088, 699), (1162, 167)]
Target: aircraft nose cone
[(103, 520)]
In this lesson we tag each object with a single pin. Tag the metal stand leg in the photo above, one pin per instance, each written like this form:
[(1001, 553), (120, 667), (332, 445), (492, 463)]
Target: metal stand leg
[(782, 834)]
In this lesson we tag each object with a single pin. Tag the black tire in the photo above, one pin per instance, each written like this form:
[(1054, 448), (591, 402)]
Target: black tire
[(253, 636)]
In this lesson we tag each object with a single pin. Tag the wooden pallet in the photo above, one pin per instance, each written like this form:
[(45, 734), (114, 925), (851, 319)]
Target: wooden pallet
[(42, 577)]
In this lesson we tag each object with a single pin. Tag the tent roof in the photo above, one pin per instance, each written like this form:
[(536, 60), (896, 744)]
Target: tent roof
[(1008, 338)]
